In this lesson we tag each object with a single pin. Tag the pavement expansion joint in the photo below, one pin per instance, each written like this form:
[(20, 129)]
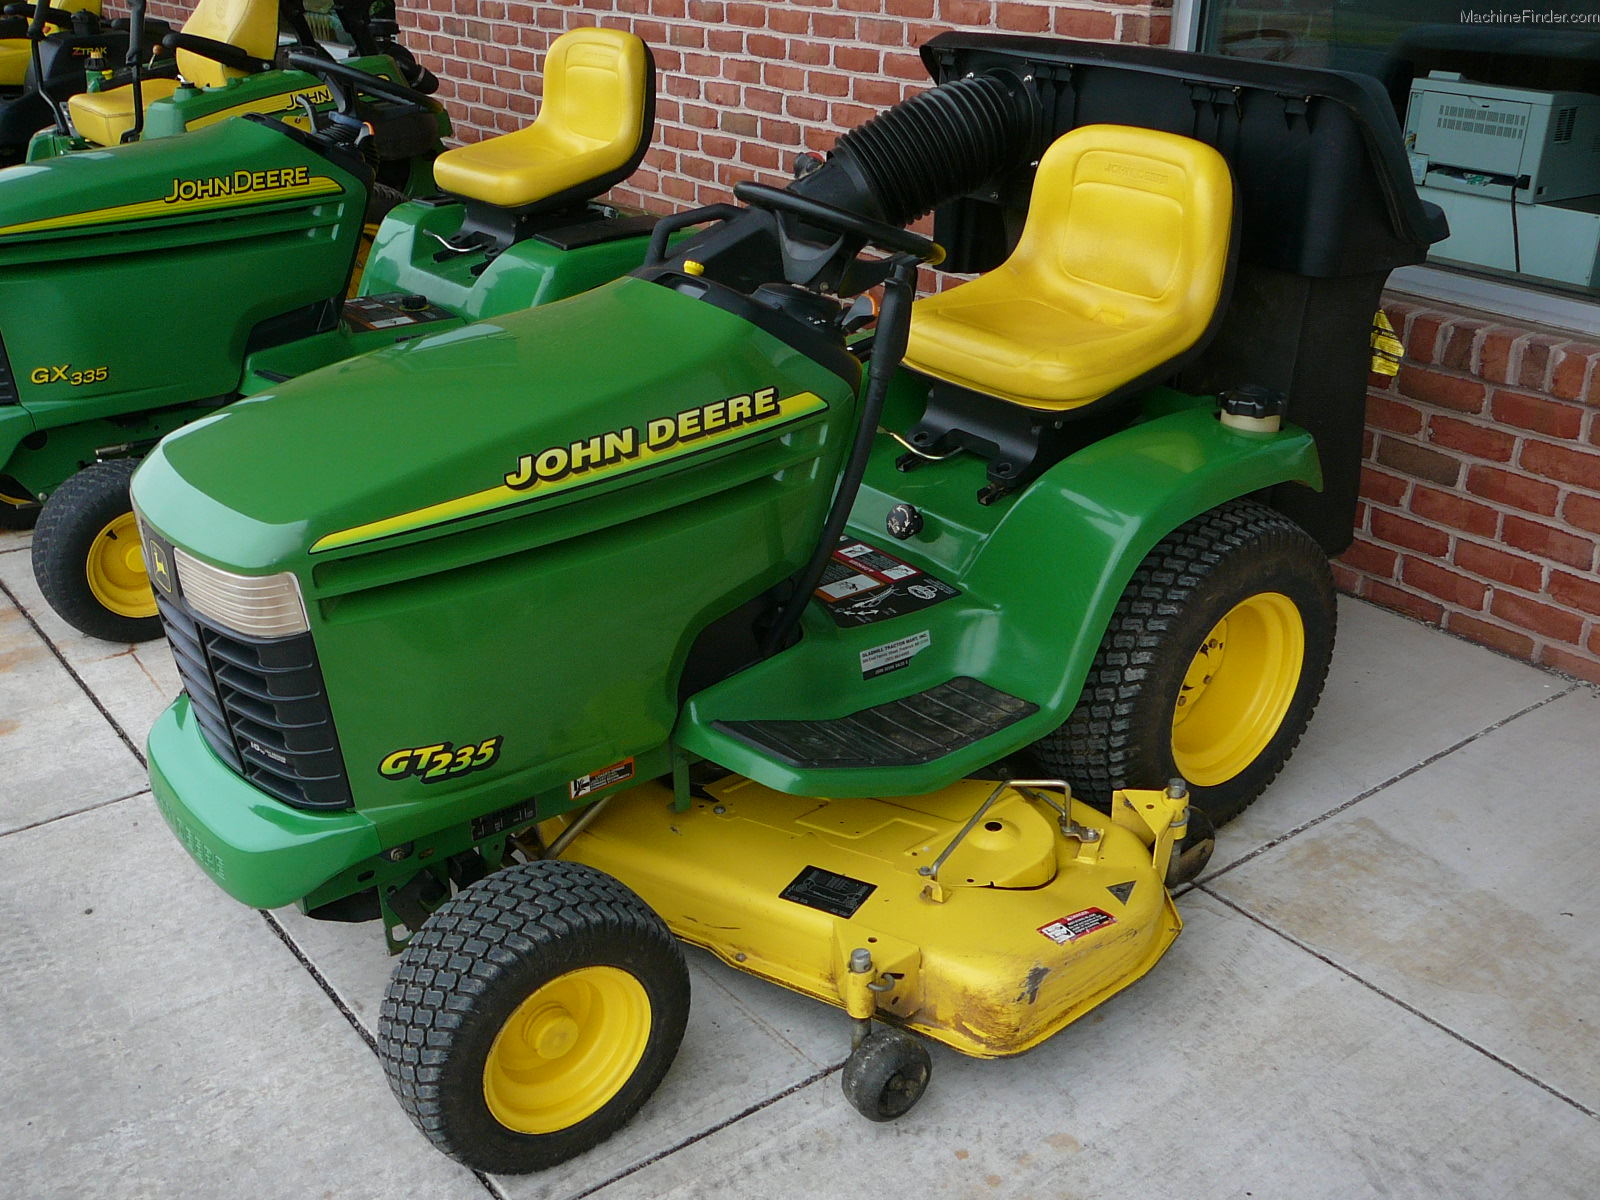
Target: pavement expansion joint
[(72, 672), (1384, 784), (1327, 960), (77, 812), (684, 1143)]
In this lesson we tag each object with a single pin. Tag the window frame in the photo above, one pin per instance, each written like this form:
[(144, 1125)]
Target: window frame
[(1513, 301)]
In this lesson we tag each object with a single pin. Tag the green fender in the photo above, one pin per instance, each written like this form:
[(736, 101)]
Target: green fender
[(1039, 575)]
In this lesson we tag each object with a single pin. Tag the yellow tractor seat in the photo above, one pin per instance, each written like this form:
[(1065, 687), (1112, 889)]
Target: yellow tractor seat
[(1120, 269), (593, 127), (16, 54), (249, 25)]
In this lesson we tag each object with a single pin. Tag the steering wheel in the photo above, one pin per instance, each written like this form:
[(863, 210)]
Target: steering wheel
[(337, 75), (815, 212)]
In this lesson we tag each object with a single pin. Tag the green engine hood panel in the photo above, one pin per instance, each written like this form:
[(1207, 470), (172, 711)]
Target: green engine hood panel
[(467, 427)]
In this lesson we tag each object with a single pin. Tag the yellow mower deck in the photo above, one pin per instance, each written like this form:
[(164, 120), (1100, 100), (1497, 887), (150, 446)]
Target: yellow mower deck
[(1024, 929)]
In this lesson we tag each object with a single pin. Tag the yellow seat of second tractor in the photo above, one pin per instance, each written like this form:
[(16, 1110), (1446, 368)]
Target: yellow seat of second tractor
[(251, 25), (1120, 267), (595, 115), (16, 54)]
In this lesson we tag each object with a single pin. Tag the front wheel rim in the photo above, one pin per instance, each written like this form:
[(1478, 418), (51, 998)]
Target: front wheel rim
[(1238, 688), (567, 1050), (115, 569)]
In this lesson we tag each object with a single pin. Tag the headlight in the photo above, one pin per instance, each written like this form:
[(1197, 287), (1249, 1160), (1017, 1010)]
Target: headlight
[(263, 606)]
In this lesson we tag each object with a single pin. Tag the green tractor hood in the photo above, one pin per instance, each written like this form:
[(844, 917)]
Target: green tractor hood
[(477, 425)]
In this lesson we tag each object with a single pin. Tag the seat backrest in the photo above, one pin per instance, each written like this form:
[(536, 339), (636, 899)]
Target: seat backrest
[(594, 91), (1130, 225), (251, 25)]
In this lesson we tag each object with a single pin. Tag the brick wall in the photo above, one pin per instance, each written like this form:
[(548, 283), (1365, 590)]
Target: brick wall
[(1481, 496), (1481, 487)]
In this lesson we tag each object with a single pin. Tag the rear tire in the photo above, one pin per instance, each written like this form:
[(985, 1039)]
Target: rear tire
[(1211, 667), (87, 557), (532, 1015)]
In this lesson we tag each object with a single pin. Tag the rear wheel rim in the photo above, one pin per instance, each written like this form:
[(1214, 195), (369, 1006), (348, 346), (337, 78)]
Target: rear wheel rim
[(115, 569), (1238, 688), (567, 1050)]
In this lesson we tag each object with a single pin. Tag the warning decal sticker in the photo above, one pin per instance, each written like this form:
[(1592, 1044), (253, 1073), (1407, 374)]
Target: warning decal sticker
[(1069, 929), (588, 784), (862, 584)]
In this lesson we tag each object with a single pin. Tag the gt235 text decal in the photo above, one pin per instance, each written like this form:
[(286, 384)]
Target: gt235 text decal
[(442, 760)]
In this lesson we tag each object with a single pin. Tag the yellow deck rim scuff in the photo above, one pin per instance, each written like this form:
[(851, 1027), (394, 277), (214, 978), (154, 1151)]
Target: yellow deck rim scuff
[(1238, 688)]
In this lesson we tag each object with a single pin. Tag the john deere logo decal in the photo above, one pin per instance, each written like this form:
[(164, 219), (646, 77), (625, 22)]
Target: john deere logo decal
[(602, 456), (240, 183), (619, 445)]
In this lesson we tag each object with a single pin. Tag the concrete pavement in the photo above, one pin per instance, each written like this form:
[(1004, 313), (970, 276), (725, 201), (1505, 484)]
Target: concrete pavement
[(1389, 985)]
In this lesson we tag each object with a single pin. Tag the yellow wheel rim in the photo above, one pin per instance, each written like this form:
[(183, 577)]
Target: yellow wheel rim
[(567, 1050), (115, 570), (1238, 688)]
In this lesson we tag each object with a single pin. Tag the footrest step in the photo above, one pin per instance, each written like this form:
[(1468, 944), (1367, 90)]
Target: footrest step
[(907, 732)]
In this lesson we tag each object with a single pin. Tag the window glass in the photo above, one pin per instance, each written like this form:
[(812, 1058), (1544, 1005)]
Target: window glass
[(1500, 107)]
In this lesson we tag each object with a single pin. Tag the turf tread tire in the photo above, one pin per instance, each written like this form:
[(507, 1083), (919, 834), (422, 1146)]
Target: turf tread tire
[(1120, 733), (71, 518), (475, 959)]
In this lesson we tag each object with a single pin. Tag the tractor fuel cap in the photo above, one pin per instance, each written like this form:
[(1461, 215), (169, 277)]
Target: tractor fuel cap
[(903, 521)]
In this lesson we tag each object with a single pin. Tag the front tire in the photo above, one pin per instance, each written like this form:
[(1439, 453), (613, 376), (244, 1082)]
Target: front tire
[(532, 1015), (87, 557), (1211, 667)]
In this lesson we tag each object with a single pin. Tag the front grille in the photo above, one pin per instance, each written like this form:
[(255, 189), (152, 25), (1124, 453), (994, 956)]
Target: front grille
[(261, 706)]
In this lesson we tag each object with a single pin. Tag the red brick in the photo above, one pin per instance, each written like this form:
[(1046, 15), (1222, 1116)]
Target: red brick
[(1422, 339), (1458, 342), (1027, 18), (1548, 542), (1543, 620), (1495, 353), (1569, 465), (1575, 591), (1413, 535), (1396, 416), (1079, 23), (1533, 368), (1447, 391), (1513, 490), (1344, 579), (967, 12), (1385, 489), (1496, 637), (1576, 665), (1419, 462), (1447, 585), (1538, 413), (1572, 373), (1582, 511), (1412, 605), (1371, 559), (1455, 511), (1494, 564), (1594, 641), (1471, 438)]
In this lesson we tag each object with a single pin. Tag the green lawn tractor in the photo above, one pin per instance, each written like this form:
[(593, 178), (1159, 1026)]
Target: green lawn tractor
[(908, 673), (46, 56), (225, 62), (146, 286)]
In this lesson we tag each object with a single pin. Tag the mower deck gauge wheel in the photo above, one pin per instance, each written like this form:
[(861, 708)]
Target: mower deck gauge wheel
[(885, 1076)]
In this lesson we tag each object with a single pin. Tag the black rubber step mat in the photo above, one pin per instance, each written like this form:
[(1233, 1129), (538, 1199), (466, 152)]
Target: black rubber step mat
[(901, 733)]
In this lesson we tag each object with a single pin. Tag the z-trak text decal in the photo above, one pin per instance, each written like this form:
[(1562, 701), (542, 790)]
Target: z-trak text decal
[(607, 454), (183, 196), (442, 760)]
